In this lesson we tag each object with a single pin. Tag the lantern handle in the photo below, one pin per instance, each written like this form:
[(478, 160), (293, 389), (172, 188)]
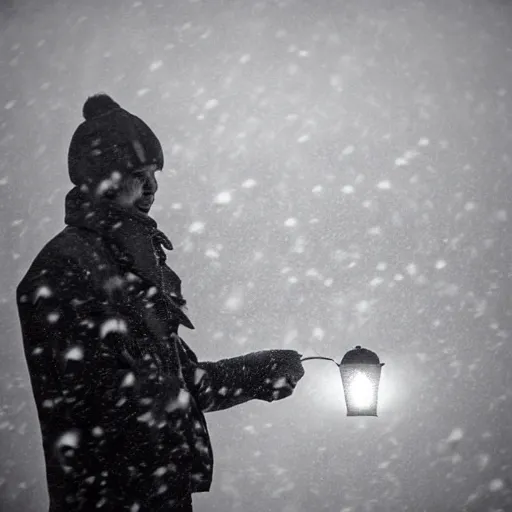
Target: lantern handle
[(327, 359), (320, 357)]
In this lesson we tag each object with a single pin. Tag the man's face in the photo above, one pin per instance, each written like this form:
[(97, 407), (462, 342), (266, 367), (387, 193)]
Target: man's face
[(138, 189)]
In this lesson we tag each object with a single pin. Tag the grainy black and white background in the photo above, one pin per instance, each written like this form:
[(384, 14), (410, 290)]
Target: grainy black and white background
[(337, 173)]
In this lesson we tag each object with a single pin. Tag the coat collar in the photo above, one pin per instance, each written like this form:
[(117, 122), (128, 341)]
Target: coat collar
[(134, 237)]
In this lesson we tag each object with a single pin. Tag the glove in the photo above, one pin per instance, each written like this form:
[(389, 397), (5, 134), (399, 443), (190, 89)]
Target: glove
[(275, 373)]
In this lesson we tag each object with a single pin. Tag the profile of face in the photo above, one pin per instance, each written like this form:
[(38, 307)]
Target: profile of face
[(138, 189)]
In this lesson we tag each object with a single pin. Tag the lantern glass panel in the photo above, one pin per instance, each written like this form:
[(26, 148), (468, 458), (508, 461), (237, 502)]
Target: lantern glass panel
[(361, 388)]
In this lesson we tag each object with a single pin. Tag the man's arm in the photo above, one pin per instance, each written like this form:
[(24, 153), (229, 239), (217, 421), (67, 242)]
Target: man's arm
[(216, 385), (223, 384)]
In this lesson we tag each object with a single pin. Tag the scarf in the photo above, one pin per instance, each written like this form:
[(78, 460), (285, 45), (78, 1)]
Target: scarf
[(135, 241), (133, 237)]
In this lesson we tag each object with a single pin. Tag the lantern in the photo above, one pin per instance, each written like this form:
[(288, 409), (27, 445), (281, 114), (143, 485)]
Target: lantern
[(360, 374)]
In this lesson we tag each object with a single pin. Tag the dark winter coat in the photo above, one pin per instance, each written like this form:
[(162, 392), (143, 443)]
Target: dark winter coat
[(120, 396)]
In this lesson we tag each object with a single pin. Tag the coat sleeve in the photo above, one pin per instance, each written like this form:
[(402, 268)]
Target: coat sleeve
[(84, 371), (219, 385)]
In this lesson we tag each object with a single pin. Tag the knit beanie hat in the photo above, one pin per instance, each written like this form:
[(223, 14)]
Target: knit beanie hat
[(110, 139)]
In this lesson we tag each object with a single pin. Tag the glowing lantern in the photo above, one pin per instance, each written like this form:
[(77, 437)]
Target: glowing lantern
[(360, 374)]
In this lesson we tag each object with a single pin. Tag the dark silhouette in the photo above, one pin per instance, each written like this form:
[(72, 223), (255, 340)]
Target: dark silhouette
[(120, 396)]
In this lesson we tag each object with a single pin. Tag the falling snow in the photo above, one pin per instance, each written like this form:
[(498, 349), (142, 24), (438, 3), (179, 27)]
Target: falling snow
[(113, 325), (196, 227), (440, 264), (211, 104), (75, 353), (384, 185), (128, 380), (223, 198), (42, 292), (156, 65), (250, 183), (333, 176), (235, 301), (70, 438)]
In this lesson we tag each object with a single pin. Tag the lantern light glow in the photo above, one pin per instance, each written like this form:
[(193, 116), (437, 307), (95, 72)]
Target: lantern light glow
[(360, 371), (362, 391)]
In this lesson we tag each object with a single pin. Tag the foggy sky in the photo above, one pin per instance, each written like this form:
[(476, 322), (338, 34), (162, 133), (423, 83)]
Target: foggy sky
[(337, 173)]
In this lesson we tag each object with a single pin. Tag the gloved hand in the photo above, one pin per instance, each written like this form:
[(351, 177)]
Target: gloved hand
[(275, 373)]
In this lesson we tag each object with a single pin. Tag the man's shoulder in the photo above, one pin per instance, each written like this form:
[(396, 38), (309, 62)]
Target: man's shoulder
[(66, 248)]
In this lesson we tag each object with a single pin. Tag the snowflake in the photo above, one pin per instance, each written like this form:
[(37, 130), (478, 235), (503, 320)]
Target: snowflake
[(456, 435), (496, 485), (412, 269), (196, 227), (362, 306), (234, 302), (212, 254), (113, 325), (75, 354), (384, 185), (157, 64), (128, 380), (210, 104), (376, 281), (53, 317), (97, 431), (160, 471), (250, 183), (318, 333), (42, 291), (223, 198), (198, 375), (70, 438), (440, 264)]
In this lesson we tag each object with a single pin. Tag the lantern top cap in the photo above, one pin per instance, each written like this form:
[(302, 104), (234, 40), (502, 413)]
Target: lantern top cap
[(360, 355)]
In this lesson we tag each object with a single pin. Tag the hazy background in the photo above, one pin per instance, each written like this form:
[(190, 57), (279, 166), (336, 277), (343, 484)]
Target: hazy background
[(337, 173)]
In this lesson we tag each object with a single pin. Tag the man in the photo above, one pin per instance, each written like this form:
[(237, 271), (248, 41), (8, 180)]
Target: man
[(120, 396)]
